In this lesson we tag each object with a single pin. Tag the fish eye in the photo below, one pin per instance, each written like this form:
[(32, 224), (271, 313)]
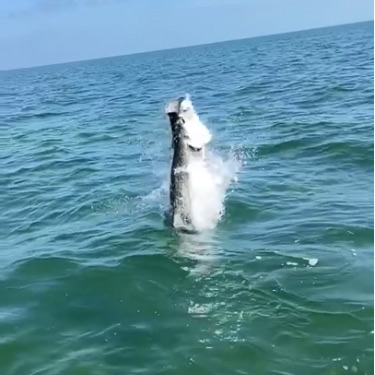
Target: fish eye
[(195, 149)]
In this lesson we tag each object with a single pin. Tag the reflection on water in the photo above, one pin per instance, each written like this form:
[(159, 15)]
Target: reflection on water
[(203, 248)]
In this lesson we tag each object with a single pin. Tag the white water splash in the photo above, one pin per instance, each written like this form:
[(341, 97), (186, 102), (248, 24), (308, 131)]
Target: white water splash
[(209, 181)]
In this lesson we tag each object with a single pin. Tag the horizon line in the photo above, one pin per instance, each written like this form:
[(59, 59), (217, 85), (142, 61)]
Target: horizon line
[(186, 46)]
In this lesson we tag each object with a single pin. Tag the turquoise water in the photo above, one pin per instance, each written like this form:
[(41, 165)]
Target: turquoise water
[(92, 279)]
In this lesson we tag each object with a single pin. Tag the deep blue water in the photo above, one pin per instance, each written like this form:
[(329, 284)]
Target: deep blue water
[(92, 279)]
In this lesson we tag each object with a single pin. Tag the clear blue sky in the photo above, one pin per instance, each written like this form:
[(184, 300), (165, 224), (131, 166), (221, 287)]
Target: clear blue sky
[(38, 32)]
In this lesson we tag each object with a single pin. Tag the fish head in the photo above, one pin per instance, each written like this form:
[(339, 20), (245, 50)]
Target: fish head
[(186, 125), (176, 121)]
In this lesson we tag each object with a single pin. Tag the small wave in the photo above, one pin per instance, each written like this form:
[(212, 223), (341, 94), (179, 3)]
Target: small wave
[(39, 115), (357, 153), (284, 146)]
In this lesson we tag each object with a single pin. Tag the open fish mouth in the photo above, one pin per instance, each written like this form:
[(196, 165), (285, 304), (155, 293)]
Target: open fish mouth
[(185, 122)]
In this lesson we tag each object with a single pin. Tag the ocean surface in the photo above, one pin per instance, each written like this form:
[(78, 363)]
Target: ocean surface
[(92, 279)]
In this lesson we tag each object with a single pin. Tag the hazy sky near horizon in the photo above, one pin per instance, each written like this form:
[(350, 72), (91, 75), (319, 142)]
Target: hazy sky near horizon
[(39, 32)]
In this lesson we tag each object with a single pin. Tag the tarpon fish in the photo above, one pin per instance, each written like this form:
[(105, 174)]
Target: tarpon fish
[(189, 138)]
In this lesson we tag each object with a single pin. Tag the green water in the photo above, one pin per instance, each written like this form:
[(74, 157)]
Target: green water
[(92, 279)]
